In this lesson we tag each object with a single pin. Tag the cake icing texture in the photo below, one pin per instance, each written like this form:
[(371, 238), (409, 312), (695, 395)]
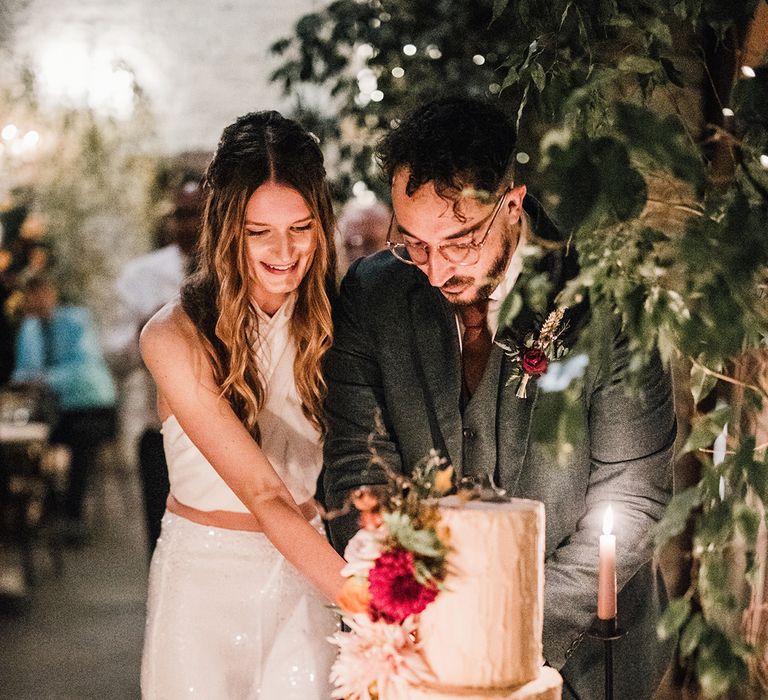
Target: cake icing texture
[(482, 635)]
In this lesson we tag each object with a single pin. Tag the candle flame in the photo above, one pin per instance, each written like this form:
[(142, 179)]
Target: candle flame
[(608, 521)]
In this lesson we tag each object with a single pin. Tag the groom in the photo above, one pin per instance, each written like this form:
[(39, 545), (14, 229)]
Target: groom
[(413, 344)]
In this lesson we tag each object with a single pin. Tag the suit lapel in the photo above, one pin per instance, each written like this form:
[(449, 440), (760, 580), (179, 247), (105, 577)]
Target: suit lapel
[(515, 415), (437, 344), (513, 429)]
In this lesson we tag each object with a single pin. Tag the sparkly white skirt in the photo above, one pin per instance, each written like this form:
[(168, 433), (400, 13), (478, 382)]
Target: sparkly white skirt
[(228, 618)]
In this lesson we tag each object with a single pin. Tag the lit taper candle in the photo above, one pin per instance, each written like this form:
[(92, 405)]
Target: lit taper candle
[(606, 570)]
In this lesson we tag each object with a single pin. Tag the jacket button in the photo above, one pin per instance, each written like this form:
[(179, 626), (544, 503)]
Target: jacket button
[(468, 434)]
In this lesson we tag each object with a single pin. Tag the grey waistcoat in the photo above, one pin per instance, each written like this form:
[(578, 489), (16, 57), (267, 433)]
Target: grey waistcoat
[(479, 453)]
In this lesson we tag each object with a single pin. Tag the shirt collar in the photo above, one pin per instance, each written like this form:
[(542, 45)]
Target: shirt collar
[(514, 268)]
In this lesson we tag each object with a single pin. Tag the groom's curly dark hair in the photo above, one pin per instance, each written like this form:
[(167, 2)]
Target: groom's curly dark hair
[(452, 142)]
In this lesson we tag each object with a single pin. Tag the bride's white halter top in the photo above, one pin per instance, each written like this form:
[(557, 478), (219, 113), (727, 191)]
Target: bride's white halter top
[(291, 443)]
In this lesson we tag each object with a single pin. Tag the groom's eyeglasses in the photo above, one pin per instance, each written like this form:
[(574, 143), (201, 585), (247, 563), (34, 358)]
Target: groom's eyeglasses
[(416, 252)]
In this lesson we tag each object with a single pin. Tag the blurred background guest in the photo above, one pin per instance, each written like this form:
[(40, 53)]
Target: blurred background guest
[(6, 326), (24, 252), (57, 346), (362, 228), (144, 285)]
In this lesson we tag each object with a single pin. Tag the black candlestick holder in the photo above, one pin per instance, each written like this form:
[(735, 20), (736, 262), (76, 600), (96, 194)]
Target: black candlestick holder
[(608, 631)]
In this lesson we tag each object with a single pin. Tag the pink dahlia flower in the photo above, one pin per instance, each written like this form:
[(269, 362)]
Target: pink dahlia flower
[(376, 659), (395, 592)]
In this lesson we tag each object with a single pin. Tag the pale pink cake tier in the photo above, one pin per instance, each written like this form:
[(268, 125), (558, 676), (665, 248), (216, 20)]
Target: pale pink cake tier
[(547, 686), (482, 636), (484, 629)]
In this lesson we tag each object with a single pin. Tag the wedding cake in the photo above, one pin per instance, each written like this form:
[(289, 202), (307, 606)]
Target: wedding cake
[(481, 637)]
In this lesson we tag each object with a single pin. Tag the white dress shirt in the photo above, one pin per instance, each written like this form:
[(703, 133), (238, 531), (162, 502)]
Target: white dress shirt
[(144, 285)]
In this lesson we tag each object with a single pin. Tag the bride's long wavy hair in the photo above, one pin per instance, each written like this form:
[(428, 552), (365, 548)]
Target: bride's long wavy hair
[(260, 147)]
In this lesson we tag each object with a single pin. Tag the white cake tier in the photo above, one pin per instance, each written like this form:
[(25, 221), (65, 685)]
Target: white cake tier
[(484, 629), (547, 686)]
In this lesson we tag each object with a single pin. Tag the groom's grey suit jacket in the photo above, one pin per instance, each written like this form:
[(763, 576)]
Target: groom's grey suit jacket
[(396, 352)]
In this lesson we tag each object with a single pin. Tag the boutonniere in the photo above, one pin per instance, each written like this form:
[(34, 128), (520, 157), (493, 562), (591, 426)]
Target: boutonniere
[(531, 357)]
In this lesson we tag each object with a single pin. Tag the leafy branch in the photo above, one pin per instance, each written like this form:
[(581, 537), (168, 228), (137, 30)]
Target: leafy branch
[(663, 195)]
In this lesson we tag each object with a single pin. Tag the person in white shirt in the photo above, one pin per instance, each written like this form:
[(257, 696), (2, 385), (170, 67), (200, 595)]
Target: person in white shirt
[(145, 284)]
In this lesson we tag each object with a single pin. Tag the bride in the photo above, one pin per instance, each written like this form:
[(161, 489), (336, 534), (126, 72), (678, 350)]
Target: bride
[(241, 576)]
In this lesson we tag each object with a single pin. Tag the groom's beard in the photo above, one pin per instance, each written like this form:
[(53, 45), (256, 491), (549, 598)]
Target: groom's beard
[(491, 279)]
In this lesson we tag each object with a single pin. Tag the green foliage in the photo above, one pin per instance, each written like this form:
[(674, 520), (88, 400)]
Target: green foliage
[(350, 48), (659, 142), (674, 617), (601, 186), (697, 292), (706, 428), (666, 236), (721, 664), (722, 256), (677, 515), (423, 542), (702, 383), (691, 634), (560, 424), (725, 527)]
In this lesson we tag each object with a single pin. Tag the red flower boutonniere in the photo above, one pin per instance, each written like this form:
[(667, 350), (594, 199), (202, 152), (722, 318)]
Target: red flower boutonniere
[(534, 362), (532, 357)]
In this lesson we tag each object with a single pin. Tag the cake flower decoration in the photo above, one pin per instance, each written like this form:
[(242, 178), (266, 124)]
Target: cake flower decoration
[(532, 356), (394, 591), (396, 565), (376, 657)]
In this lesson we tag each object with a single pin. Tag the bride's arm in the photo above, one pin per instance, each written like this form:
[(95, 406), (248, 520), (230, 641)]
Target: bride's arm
[(174, 355)]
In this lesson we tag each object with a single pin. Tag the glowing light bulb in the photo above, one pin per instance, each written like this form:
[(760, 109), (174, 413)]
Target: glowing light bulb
[(748, 71), (409, 50), (764, 160), (365, 51), (31, 139), (398, 72), (9, 132), (718, 449), (366, 81), (478, 60), (727, 112)]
